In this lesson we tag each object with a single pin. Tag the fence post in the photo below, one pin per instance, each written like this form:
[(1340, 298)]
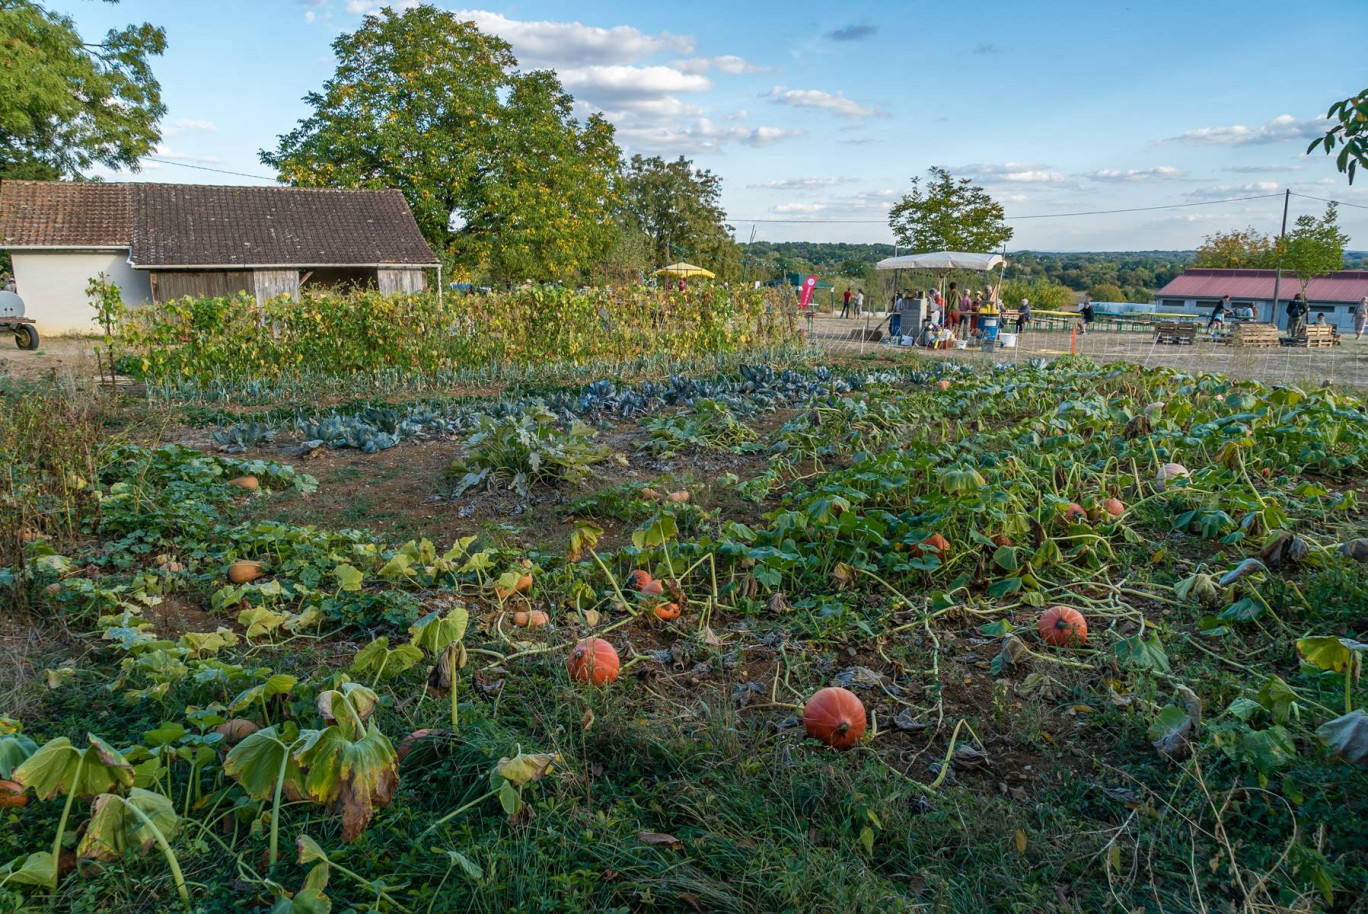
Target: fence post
[(1073, 341), (863, 334)]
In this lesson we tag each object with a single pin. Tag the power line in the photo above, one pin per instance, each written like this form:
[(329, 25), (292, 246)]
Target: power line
[(1327, 200), (221, 171), (1095, 212)]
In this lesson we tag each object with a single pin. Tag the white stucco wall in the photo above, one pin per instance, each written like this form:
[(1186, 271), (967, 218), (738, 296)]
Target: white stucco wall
[(53, 286)]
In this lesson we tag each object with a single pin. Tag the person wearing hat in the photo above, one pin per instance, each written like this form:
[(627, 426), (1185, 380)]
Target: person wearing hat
[(1023, 315)]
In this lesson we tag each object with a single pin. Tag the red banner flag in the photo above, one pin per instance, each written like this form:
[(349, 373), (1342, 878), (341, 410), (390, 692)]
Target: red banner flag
[(808, 285)]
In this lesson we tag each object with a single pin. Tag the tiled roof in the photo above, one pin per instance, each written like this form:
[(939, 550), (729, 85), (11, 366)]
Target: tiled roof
[(201, 225), (1344, 286), (187, 225), (65, 214)]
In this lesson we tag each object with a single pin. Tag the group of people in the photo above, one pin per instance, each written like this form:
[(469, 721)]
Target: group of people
[(855, 298), (957, 315), (1297, 311)]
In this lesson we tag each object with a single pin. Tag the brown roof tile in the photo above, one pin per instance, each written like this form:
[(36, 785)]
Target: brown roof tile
[(65, 214), (205, 225), (185, 225)]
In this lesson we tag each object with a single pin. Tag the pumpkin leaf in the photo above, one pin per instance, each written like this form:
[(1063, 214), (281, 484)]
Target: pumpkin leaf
[(377, 658), (1143, 653), (1347, 737), (354, 776), (277, 684), (35, 870), (60, 768), (1330, 654), (583, 539), (15, 749), (115, 829), (469, 867), (523, 768), (435, 631), (310, 851), (255, 762), (348, 578)]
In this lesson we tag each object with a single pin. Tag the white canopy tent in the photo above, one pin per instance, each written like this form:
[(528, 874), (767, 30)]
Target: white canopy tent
[(944, 261)]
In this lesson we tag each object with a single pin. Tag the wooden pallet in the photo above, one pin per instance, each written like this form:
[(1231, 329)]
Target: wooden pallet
[(1255, 336), (1321, 336), (1175, 332)]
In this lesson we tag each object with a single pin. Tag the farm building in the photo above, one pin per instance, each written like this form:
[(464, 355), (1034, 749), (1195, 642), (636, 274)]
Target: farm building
[(1198, 290), (160, 242)]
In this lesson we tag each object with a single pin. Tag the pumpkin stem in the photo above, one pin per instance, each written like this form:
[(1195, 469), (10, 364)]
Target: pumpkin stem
[(845, 725)]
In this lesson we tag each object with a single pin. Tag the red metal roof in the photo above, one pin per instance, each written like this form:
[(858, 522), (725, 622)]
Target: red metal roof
[(1344, 286)]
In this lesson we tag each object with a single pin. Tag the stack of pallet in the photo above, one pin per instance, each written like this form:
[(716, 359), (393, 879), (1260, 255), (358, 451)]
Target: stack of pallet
[(1255, 336), (1318, 336), (1175, 332)]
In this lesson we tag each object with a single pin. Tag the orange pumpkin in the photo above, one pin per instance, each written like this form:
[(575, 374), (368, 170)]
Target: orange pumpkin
[(245, 571), (942, 384), (12, 794), (836, 717), (236, 730), (593, 660), (1002, 539), (639, 579), (1063, 626), (1113, 506), (245, 482), (537, 618), (521, 618), (524, 583), (667, 611), (935, 544), (1073, 511), (679, 497), (652, 589)]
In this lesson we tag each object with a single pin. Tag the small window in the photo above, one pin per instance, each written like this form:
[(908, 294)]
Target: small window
[(1322, 309), (1173, 303)]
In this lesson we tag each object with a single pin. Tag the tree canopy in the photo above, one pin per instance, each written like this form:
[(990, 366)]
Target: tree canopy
[(500, 176), (1238, 249), (678, 207), (948, 213), (67, 105), (1314, 247)]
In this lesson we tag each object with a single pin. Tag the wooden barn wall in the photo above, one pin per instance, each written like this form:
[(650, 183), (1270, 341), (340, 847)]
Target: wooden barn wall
[(392, 282), (170, 285), (271, 284)]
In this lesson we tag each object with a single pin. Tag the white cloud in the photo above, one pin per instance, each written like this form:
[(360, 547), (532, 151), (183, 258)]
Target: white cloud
[(703, 135), (727, 63), (1014, 172), (598, 82), (800, 208), (182, 124), (810, 183), (1217, 191), (1158, 173), (1260, 169), (1283, 127), (739, 114), (574, 44), (835, 102), (164, 152)]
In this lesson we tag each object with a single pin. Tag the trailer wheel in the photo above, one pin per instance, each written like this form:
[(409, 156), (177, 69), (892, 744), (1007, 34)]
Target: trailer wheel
[(26, 337)]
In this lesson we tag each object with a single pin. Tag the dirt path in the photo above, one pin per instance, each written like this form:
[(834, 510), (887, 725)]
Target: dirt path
[(65, 356)]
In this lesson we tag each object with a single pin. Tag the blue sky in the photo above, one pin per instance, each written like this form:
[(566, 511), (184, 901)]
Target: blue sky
[(819, 113)]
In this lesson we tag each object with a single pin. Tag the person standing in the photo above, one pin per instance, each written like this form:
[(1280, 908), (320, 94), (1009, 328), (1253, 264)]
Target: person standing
[(1023, 315), (1296, 316), (952, 316), (1218, 313), (845, 304), (859, 302), (1360, 318)]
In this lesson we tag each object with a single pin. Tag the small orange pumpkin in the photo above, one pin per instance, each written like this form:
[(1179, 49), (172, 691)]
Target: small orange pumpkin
[(1073, 512), (245, 571), (836, 717), (652, 589), (1113, 506), (521, 618), (537, 618), (935, 544), (1063, 626), (12, 794), (679, 497), (593, 660), (524, 583), (638, 579), (236, 730), (942, 384), (667, 611), (249, 483)]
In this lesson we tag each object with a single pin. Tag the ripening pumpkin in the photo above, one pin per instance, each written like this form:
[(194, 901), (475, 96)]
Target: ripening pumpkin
[(836, 717), (679, 497), (521, 618), (1073, 511), (942, 384), (638, 579), (249, 483), (1063, 626), (406, 744), (1113, 506), (12, 794), (593, 660), (1002, 539), (938, 545), (537, 618), (236, 730), (524, 583), (1170, 472), (245, 571), (667, 611), (652, 589)]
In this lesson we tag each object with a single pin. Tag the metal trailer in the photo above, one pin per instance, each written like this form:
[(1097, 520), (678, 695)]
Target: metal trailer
[(12, 320)]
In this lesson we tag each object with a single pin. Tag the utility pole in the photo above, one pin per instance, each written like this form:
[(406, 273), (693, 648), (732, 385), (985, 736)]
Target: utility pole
[(1277, 277)]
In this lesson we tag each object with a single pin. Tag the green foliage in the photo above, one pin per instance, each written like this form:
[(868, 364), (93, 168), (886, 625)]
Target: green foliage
[(68, 104), (1041, 293), (1314, 247), (519, 452), (708, 425), (948, 214), (678, 207), (1350, 133), (1242, 249), (424, 102)]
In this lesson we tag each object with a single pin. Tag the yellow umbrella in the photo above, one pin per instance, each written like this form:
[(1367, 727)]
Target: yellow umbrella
[(684, 269)]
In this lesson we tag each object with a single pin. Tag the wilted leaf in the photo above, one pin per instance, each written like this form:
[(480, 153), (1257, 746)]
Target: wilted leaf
[(524, 768), (276, 684), (309, 850), (659, 839), (15, 749), (471, 869), (1330, 654), (255, 762), (59, 768), (114, 829), (377, 658), (35, 870), (1019, 839), (1347, 736), (353, 776), (1242, 571), (436, 630)]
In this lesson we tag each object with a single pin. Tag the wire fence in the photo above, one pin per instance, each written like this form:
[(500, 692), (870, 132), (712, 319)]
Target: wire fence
[(1344, 365)]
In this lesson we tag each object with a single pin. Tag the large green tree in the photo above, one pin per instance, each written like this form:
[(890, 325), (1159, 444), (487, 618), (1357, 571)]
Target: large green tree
[(66, 104), (948, 214), (501, 178), (1349, 131), (678, 208), (1314, 247), (1237, 249)]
